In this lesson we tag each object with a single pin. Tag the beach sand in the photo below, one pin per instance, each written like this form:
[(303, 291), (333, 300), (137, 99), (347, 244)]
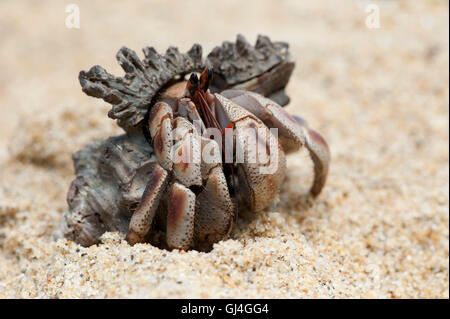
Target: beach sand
[(380, 96)]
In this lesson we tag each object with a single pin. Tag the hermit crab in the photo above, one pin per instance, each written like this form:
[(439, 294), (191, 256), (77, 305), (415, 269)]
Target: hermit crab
[(203, 139)]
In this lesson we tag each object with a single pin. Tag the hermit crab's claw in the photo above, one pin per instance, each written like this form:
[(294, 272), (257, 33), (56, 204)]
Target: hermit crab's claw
[(160, 126), (293, 132), (260, 159)]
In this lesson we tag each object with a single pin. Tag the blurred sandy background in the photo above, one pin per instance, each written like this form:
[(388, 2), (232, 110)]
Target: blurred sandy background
[(380, 97)]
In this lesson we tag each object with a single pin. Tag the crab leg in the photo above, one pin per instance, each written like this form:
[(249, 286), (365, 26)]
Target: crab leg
[(145, 212), (293, 132), (214, 208), (320, 155), (187, 172), (160, 126), (180, 217)]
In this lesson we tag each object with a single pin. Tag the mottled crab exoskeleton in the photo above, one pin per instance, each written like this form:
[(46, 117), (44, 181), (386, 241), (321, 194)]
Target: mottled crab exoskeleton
[(185, 187)]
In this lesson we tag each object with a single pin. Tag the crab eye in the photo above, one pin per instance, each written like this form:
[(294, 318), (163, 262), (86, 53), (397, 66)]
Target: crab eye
[(193, 81)]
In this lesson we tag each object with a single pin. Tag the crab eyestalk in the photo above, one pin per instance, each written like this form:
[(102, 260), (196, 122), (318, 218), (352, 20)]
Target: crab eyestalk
[(198, 92), (205, 79)]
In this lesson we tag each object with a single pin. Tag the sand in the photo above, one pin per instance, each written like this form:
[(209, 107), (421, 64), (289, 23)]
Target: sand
[(380, 228)]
